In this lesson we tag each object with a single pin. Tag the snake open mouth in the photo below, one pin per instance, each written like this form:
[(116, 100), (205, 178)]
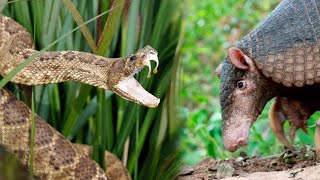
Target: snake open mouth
[(130, 89)]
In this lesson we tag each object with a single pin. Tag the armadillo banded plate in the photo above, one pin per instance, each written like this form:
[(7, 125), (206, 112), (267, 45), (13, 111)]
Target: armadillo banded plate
[(285, 46)]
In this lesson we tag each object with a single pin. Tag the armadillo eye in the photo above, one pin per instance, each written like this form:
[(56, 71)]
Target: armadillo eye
[(133, 58), (241, 85)]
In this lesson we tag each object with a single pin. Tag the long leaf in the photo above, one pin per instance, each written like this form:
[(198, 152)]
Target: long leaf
[(32, 133), (110, 27), (79, 20), (75, 111)]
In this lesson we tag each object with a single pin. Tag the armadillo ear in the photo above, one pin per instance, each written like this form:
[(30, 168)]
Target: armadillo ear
[(238, 59), (218, 70)]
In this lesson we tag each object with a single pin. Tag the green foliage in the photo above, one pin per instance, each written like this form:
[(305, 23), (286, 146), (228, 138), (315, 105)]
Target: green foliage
[(212, 27), (10, 168), (145, 138)]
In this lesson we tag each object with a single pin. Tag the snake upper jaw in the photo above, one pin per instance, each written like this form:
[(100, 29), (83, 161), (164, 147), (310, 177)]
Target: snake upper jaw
[(130, 89)]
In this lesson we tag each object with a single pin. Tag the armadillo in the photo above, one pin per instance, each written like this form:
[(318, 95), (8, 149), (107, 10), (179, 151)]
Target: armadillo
[(280, 57)]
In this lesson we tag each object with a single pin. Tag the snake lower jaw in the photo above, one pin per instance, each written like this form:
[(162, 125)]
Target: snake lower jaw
[(130, 89)]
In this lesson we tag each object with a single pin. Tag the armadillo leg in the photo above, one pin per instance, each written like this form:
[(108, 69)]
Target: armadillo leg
[(295, 125), (277, 120), (317, 138), (293, 130)]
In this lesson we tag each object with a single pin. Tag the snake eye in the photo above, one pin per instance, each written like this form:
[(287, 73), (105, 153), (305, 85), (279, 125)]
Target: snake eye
[(241, 85), (133, 58)]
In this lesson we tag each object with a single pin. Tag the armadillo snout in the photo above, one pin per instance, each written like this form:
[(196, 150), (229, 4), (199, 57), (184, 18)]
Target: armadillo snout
[(242, 142), (236, 136), (233, 146)]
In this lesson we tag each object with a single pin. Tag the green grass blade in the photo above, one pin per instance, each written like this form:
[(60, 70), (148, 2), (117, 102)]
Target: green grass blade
[(146, 19), (87, 112), (54, 99), (31, 154), (136, 166), (108, 124), (68, 42), (149, 118), (43, 102), (37, 11), (132, 23), (126, 129), (50, 21), (110, 27), (24, 15), (150, 165), (175, 122), (71, 90), (99, 157), (170, 160), (75, 110), (79, 20)]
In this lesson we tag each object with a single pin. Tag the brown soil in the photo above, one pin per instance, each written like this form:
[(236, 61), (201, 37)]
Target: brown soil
[(302, 164)]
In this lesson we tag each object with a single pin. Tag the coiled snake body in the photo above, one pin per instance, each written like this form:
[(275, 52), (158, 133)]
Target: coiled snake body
[(54, 156)]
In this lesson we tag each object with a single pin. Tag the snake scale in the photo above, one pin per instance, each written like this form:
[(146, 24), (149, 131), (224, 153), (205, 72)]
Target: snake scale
[(54, 156)]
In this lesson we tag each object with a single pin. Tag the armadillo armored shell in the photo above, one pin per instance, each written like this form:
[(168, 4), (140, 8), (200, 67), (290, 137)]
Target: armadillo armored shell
[(285, 46)]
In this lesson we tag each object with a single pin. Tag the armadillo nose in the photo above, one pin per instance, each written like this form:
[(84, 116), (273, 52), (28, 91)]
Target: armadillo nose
[(242, 142), (232, 146)]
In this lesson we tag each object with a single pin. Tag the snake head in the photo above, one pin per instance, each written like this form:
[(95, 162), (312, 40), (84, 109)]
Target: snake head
[(128, 87), (141, 59)]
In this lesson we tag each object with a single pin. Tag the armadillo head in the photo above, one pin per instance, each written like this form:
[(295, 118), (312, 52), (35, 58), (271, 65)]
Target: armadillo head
[(243, 95)]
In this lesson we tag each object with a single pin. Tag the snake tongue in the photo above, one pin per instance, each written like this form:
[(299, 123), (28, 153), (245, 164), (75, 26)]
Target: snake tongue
[(130, 89)]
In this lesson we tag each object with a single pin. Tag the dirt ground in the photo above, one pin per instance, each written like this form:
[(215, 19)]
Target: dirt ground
[(301, 164)]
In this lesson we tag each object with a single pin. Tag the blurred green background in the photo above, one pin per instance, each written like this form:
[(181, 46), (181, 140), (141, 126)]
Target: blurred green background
[(211, 28)]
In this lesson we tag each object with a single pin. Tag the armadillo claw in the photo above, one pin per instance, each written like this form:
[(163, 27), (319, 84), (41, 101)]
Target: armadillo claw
[(277, 120), (317, 138)]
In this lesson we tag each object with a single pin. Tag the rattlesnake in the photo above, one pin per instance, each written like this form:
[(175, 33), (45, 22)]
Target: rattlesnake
[(54, 156)]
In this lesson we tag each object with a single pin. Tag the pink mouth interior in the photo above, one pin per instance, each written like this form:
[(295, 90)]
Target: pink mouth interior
[(132, 90)]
